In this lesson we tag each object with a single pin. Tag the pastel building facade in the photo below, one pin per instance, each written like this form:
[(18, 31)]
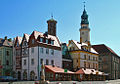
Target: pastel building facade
[(6, 54), (17, 56), (25, 57)]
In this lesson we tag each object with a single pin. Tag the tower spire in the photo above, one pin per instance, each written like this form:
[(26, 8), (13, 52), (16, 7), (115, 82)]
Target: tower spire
[(84, 16), (52, 15), (84, 4)]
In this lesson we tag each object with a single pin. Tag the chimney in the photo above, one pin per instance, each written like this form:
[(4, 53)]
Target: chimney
[(89, 43), (5, 37)]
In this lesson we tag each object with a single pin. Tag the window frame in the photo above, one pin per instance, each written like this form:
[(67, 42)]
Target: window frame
[(52, 52), (33, 41), (47, 51), (32, 61)]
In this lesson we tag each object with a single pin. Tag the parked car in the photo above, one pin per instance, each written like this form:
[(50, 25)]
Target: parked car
[(7, 78)]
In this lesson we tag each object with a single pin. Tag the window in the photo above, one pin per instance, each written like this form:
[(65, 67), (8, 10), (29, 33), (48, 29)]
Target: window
[(41, 50), (84, 56), (96, 58), (32, 61), (52, 62), (93, 58), (52, 42), (25, 43), (24, 62), (47, 41), (96, 66), (7, 52), (47, 51), (52, 52), (88, 65), (25, 51), (47, 62), (41, 39), (89, 57), (33, 41), (7, 62), (32, 50), (41, 60), (93, 65)]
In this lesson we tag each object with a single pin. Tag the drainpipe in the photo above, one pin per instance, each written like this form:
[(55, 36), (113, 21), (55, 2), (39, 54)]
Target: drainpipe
[(38, 64), (28, 65)]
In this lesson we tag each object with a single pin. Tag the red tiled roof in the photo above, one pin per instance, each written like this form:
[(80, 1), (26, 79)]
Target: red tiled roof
[(79, 71), (103, 49), (57, 69)]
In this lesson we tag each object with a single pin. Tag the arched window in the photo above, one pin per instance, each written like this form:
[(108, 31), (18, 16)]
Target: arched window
[(33, 41)]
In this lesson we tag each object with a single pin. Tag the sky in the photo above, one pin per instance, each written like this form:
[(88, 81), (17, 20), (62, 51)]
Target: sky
[(24, 16)]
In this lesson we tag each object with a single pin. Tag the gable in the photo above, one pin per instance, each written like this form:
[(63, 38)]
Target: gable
[(72, 46)]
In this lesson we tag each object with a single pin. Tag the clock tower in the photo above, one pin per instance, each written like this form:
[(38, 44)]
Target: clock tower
[(84, 30)]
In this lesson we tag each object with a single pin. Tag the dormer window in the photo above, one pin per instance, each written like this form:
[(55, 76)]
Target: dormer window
[(17, 44), (25, 43), (52, 42), (41, 39), (33, 41), (47, 41)]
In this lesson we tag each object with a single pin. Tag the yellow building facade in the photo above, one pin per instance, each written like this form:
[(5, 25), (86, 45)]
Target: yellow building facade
[(83, 56)]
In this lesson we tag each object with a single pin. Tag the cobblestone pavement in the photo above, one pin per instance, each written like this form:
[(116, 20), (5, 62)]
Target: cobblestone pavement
[(83, 82), (68, 82)]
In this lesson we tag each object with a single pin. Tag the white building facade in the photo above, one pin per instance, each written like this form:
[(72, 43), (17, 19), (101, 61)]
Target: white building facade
[(39, 47), (25, 58)]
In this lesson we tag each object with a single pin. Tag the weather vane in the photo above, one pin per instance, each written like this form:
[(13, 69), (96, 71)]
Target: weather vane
[(52, 15), (84, 4)]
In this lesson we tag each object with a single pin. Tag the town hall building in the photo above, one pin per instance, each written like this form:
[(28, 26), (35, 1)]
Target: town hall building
[(82, 53)]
